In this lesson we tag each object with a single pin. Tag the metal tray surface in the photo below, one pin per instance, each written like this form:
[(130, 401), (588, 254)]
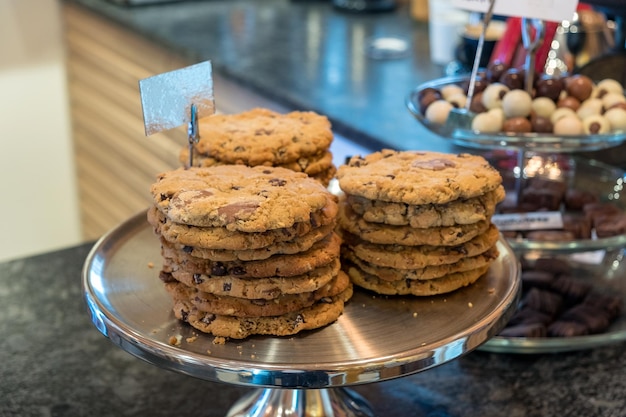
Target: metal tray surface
[(377, 337)]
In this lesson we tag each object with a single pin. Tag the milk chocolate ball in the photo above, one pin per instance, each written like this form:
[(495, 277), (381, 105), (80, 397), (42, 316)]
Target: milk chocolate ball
[(517, 125), (579, 86), (569, 102)]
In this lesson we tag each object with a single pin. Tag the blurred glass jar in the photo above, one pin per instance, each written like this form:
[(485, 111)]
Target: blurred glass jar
[(577, 42)]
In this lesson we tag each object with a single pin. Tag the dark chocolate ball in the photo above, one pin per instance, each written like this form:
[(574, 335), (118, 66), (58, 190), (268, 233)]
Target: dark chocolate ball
[(477, 105), (495, 70), (541, 124), (550, 87), (513, 78), (427, 99)]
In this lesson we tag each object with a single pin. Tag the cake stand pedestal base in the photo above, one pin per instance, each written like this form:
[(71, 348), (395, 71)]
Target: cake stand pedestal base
[(277, 402)]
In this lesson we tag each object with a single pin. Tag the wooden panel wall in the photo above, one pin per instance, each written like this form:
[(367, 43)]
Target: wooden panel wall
[(116, 162)]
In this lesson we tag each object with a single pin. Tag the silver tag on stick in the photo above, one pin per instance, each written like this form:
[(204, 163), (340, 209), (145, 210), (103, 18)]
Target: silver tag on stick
[(178, 97)]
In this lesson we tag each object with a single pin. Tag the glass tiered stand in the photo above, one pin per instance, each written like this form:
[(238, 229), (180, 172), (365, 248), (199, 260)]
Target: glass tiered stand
[(520, 157), (377, 338)]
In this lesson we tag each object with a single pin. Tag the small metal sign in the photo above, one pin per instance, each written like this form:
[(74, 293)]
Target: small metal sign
[(177, 97)]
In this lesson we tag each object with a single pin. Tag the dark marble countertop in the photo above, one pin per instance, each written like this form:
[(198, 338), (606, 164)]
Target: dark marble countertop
[(302, 55), (54, 362)]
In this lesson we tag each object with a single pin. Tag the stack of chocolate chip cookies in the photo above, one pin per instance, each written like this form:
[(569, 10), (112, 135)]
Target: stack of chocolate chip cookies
[(418, 223), (249, 250), (298, 141)]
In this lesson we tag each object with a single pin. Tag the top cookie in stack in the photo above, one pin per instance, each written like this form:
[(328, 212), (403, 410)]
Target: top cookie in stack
[(249, 250), (298, 141), (418, 222)]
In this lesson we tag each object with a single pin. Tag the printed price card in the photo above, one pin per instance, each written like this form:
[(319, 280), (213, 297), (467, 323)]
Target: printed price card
[(549, 10)]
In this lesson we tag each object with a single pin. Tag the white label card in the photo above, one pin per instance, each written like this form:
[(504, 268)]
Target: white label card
[(550, 10), (540, 220)]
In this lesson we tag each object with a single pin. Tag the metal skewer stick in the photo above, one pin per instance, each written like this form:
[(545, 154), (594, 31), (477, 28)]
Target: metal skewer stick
[(479, 53), (531, 43), (192, 132)]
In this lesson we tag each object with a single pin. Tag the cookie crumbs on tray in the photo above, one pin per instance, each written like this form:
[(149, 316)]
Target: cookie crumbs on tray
[(175, 340), (219, 341)]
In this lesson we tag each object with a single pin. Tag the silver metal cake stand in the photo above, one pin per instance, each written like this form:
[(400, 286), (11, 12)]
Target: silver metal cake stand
[(307, 375)]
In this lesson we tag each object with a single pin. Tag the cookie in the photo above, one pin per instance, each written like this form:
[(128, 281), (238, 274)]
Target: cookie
[(310, 165), (464, 211), (407, 235), (241, 307), (256, 288), (426, 273), (415, 257), (221, 238), (261, 136), (303, 243), (443, 285), (417, 178), (240, 198), (320, 314), (321, 254)]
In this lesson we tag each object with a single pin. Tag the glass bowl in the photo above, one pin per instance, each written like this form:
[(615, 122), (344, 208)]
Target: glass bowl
[(539, 142)]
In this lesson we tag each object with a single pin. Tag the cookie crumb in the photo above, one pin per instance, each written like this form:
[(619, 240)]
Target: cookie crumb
[(208, 351), (414, 314), (491, 290), (470, 305), (150, 265), (219, 340), (175, 340), (252, 356), (191, 339)]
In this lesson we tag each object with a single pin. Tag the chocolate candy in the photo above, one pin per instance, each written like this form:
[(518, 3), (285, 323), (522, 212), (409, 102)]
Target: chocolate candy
[(579, 86)]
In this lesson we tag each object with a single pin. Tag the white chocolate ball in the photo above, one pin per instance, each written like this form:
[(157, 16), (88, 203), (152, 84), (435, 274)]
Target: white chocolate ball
[(458, 100), (492, 95), (438, 111), (569, 125), (589, 107), (486, 122), (543, 106), (516, 103), (561, 112), (611, 99), (609, 85), (450, 90), (617, 118), (596, 124)]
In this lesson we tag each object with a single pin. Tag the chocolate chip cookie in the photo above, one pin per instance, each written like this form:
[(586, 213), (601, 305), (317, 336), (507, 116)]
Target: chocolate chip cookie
[(414, 177)]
